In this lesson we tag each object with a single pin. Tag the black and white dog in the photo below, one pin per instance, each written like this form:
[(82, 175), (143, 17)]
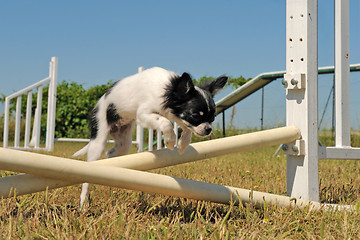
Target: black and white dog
[(152, 98)]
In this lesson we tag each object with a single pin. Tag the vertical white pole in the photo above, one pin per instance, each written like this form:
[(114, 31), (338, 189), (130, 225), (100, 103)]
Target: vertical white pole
[(34, 130), (51, 112), (37, 119), (28, 119), (48, 115), (140, 137), (176, 128), (151, 139), (301, 96), (139, 129), (159, 141), (17, 121), (342, 74), (55, 79), (6, 123)]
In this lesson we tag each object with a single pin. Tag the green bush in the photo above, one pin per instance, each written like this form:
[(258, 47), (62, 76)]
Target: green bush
[(73, 104)]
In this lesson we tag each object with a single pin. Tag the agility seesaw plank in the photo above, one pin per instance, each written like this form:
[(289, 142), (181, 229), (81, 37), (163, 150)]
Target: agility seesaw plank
[(26, 183)]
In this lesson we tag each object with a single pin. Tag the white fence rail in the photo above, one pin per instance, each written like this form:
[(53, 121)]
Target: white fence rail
[(34, 142), (50, 125), (139, 141)]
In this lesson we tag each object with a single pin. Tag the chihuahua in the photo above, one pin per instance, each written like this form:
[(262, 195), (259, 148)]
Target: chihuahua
[(153, 98)]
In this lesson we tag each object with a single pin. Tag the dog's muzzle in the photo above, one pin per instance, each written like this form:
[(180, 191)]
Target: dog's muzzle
[(202, 130)]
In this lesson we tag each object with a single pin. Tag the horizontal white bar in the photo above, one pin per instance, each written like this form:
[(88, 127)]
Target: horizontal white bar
[(29, 88), (27, 148), (79, 171), (153, 160), (46, 168), (72, 140), (339, 153), (80, 140)]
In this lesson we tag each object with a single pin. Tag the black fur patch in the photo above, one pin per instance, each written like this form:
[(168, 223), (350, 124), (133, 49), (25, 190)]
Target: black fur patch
[(188, 103), (179, 90), (108, 91), (94, 123), (111, 114), (214, 86)]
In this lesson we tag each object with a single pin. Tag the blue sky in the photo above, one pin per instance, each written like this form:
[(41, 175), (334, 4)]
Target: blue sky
[(96, 41)]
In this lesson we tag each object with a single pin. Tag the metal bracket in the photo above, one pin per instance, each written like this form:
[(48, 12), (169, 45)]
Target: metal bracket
[(296, 148), (294, 81)]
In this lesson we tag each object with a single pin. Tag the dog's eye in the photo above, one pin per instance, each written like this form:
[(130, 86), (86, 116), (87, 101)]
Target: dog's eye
[(197, 114), (201, 113)]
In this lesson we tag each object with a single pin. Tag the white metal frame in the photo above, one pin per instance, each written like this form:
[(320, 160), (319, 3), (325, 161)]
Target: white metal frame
[(342, 148), (50, 126), (302, 99), (342, 74)]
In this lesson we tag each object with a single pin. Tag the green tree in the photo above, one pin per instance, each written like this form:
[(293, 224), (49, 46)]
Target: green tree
[(232, 82)]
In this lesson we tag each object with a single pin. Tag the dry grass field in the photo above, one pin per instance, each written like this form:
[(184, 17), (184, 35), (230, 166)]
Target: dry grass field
[(123, 214)]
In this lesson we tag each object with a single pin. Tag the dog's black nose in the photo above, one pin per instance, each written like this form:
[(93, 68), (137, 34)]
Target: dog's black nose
[(208, 130)]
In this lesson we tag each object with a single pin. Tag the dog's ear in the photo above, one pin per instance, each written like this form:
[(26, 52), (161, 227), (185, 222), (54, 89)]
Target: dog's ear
[(216, 86), (184, 86)]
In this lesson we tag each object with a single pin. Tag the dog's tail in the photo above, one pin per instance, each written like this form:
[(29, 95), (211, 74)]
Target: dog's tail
[(81, 152)]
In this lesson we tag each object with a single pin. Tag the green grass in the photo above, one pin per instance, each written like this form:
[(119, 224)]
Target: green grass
[(123, 214)]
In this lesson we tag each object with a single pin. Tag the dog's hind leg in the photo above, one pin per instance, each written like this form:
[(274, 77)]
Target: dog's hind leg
[(95, 150), (99, 134), (122, 136)]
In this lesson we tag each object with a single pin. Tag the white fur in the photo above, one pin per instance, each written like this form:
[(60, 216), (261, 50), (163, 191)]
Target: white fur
[(132, 102), (140, 98)]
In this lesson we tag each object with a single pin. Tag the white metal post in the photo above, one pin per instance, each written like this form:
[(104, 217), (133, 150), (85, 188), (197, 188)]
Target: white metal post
[(159, 140), (17, 121), (151, 139), (140, 129), (176, 130), (140, 137), (28, 119), (301, 97), (342, 74), (37, 118), (6, 122), (50, 125)]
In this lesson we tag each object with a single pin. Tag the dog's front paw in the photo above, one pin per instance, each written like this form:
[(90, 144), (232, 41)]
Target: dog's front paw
[(170, 140), (184, 142), (182, 147)]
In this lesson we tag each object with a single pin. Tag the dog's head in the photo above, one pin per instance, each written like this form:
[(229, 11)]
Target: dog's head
[(193, 105)]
